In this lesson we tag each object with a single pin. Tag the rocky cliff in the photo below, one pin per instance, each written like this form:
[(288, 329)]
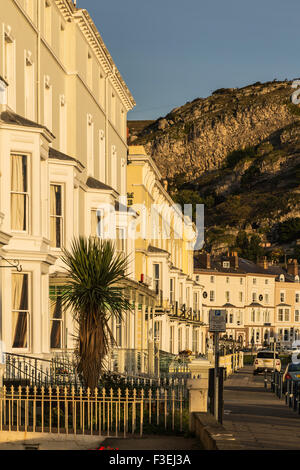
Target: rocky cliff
[(198, 136), (238, 152)]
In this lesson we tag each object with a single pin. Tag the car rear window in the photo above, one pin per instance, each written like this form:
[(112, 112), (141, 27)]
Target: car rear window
[(293, 367), (266, 355)]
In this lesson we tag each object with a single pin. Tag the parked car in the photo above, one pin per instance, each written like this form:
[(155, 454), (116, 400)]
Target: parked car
[(292, 372), (265, 360)]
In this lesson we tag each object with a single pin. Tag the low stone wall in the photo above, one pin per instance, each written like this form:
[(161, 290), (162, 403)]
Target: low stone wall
[(232, 362), (213, 435), (19, 440)]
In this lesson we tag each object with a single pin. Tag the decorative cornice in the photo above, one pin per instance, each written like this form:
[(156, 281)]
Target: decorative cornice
[(67, 8), (96, 42)]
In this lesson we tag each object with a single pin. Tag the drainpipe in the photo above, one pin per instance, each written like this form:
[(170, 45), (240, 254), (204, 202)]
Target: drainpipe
[(39, 63), (106, 130)]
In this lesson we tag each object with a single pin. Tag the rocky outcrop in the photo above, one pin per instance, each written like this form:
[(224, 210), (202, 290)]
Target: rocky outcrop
[(198, 136)]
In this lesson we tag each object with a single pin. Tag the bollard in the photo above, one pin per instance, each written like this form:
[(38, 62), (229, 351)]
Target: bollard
[(273, 382), (287, 391), (266, 380), (295, 396), (280, 385), (291, 393)]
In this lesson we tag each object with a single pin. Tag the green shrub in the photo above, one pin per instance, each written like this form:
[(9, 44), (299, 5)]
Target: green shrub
[(238, 155), (289, 230)]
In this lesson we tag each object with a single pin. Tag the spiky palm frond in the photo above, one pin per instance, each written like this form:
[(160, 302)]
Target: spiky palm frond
[(91, 292)]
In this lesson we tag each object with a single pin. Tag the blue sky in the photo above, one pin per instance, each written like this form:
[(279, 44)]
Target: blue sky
[(173, 51)]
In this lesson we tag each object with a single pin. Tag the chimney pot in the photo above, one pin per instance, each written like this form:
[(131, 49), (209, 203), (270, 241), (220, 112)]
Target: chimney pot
[(292, 267)]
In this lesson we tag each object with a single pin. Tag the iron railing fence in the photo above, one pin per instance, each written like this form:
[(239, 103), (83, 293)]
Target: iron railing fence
[(103, 412), (31, 371)]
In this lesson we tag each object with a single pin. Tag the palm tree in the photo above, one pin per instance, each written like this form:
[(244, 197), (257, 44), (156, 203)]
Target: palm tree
[(93, 270)]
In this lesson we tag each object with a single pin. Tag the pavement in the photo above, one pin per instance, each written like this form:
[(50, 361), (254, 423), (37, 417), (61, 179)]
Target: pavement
[(257, 418), (154, 443)]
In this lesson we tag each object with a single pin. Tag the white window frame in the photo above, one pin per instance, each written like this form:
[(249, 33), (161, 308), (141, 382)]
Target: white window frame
[(26, 194), (9, 65), (62, 322), (29, 88), (63, 125), (102, 157), (48, 21), (99, 213), (48, 105), (61, 217), (90, 145)]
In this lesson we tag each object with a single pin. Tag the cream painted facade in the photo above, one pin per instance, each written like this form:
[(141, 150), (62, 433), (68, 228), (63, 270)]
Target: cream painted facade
[(248, 298), (63, 170), (234, 292), (164, 257), (287, 310), (260, 300)]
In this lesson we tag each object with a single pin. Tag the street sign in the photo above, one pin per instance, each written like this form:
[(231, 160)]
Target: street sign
[(217, 321)]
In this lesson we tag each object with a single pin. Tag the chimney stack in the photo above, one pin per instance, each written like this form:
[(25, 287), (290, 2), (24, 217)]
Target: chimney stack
[(234, 260), (204, 259), (292, 267)]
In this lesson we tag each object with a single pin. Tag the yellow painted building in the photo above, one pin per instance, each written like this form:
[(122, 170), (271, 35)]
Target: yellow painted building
[(164, 256)]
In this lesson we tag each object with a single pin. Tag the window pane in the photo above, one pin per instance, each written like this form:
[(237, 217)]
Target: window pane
[(120, 241), (19, 173), (20, 310), (56, 335), (95, 223), (20, 291), (56, 315), (20, 328), (56, 215), (18, 212)]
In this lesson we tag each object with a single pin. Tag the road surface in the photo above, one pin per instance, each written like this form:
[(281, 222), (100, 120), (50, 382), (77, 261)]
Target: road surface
[(258, 419)]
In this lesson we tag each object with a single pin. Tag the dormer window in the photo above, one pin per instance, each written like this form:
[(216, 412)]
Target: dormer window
[(281, 278), (226, 264), (297, 278)]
